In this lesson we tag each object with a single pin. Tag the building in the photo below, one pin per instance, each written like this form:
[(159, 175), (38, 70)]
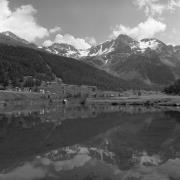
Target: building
[(108, 94), (61, 90)]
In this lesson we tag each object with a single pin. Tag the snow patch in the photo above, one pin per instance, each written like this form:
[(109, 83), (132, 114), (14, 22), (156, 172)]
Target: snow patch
[(152, 44), (83, 52), (105, 51)]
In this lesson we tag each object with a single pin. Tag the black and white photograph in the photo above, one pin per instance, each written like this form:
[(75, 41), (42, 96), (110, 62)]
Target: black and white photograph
[(89, 89)]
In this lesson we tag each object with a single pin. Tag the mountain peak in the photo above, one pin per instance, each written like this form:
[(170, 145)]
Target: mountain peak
[(63, 50), (14, 37), (125, 38), (10, 38), (9, 33)]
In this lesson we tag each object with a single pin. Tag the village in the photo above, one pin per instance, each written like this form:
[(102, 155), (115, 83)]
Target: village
[(58, 90), (31, 89)]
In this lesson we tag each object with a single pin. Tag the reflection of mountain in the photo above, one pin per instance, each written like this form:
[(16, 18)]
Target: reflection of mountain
[(25, 135), (126, 135), (83, 163), (154, 133), (158, 131)]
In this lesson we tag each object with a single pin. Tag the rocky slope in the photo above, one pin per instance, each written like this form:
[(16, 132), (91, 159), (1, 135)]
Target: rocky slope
[(149, 60)]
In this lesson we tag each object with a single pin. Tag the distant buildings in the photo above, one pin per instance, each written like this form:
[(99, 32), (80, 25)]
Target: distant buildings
[(61, 90), (108, 94), (57, 89)]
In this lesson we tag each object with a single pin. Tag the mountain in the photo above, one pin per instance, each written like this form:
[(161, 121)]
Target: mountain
[(121, 62), (148, 60), (19, 59), (63, 50), (18, 62), (11, 39)]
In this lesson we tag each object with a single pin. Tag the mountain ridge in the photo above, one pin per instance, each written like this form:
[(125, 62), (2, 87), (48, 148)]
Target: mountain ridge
[(124, 58)]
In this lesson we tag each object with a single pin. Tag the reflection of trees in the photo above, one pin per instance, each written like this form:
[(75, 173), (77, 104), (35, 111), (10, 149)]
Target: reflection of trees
[(173, 114), (153, 133), (159, 130), (28, 134), (118, 131), (16, 121)]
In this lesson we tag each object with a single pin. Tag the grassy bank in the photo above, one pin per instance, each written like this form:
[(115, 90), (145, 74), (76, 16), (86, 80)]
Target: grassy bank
[(157, 99), (9, 96)]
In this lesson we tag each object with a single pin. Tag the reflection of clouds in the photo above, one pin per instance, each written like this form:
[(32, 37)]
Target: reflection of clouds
[(81, 162), (166, 171), (72, 151), (66, 158), (144, 159), (171, 168), (77, 161), (26, 172)]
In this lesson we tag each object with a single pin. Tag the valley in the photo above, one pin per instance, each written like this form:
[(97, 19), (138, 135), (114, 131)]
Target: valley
[(89, 90)]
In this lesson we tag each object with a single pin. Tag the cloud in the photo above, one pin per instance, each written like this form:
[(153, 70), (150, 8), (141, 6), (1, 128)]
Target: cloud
[(91, 40), (69, 39), (55, 29), (173, 4), (145, 29), (21, 21), (155, 8), (47, 43), (151, 7), (78, 43)]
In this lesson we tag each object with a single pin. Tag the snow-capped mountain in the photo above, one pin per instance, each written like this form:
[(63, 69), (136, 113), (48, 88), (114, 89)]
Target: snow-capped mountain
[(101, 49), (66, 50), (148, 60), (123, 44), (11, 39), (63, 50)]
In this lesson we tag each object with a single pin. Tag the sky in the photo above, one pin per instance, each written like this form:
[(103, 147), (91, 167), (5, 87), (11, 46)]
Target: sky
[(84, 23)]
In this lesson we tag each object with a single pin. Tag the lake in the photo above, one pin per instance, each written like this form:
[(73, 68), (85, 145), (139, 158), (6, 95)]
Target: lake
[(91, 142)]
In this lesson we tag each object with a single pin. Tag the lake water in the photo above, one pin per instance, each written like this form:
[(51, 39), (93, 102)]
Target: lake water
[(94, 142)]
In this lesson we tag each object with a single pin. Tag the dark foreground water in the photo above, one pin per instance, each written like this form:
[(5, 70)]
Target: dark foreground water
[(95, 142)]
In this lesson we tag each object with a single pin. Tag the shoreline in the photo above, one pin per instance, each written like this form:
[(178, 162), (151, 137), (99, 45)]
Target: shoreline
[(13, 97), (147, 100)]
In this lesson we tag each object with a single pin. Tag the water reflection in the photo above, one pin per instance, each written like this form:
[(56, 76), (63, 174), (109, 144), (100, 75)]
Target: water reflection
[(80, 162), (90, 142)]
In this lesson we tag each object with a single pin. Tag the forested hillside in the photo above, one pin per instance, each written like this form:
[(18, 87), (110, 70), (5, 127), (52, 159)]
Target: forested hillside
[(18, 62), (173, 89)]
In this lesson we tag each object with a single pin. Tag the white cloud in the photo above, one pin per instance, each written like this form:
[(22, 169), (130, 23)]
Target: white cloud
[(21, 21), (151, 7), (47, 43), (69, 39), (91, 40), (145, 29), (55, 29), (78, 43), (4, 10), (155, 7), (173, 4)]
